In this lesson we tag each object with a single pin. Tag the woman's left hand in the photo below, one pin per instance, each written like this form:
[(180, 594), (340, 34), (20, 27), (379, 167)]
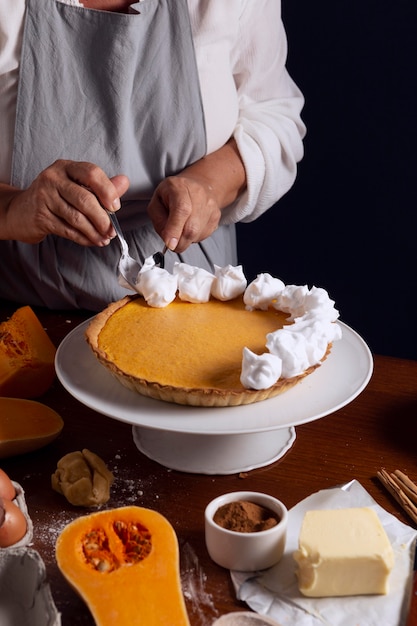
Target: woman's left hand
[(184, 211), (187, 208)]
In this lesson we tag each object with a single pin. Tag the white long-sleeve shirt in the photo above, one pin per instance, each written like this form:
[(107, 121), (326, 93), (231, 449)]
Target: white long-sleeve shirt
[(241, 51)]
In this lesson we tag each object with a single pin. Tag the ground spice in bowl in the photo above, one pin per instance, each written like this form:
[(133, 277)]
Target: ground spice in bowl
[(245, 517)]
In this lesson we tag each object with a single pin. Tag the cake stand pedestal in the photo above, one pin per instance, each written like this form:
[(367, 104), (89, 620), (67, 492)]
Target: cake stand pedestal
[(213, 454)]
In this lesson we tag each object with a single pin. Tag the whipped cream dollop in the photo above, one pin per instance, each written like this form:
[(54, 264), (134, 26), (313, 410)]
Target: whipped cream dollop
[(194, 283), (190, 283), (262, 291), (304, 342), (229, 282), (260, 371), (290, 350), (157, 286)]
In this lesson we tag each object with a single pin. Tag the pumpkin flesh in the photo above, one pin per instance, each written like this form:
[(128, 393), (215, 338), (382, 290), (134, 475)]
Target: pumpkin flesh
[(26, 425), (27, 356), (124, 563)]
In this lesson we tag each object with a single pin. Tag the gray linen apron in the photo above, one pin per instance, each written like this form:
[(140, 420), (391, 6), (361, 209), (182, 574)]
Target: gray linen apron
[(121, 91)]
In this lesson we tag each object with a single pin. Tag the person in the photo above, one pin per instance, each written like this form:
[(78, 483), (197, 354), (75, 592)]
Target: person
[(181, 116)]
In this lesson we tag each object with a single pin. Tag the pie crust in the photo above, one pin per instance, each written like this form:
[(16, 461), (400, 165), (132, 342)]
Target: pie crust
[(189, 354)]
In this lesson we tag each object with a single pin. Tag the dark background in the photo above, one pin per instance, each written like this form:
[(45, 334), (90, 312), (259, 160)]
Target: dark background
[(349, 223)]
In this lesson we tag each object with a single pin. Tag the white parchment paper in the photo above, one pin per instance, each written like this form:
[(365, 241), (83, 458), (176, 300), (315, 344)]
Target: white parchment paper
[(274, 592)]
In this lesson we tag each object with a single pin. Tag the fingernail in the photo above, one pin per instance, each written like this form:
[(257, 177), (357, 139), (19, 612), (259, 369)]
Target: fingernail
[(173, 243), (105, 242), (116, 204)]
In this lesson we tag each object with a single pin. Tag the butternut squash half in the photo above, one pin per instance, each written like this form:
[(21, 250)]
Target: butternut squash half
[(27, 356), (124, 563), (26, 425)]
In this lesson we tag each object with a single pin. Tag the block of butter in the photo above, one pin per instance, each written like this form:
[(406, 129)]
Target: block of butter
[(343, 552)]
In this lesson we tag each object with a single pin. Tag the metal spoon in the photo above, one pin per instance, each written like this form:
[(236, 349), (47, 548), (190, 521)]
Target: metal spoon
[(159, 257), (128, 266)]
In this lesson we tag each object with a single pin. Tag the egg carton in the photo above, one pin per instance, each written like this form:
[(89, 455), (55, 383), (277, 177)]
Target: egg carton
[(25, 595), (21, 503)]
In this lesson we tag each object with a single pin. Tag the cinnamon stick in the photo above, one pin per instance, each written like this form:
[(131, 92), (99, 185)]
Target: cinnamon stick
[(403, 490), (407, 485)]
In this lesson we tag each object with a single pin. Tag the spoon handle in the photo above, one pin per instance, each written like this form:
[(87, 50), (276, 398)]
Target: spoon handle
[(119, 233)]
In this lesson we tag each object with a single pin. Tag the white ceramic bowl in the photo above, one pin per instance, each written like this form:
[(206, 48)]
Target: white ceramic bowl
[(250, 551)]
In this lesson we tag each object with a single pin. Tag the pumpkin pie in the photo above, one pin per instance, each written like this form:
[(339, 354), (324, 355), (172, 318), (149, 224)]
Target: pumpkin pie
[(186, 353)]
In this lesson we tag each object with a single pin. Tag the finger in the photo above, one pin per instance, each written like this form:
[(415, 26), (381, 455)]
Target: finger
[(82, 211), (121, 184), (63, 229), (107, 190), (56, 217), (170, 209), (200, 226), (82, 202)]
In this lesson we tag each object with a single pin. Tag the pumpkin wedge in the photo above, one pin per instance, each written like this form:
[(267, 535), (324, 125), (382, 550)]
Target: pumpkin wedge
[(26, 356), (26, 425), (124, 563)]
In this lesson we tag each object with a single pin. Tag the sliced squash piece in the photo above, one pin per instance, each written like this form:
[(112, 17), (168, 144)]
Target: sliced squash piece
[(26, 356), (124, 563), (26, 425)]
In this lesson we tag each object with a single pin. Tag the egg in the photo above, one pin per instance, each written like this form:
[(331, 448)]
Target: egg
[(13, 524), (7, 489)]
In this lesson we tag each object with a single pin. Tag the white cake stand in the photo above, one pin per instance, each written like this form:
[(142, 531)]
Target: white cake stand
[(217, 440)]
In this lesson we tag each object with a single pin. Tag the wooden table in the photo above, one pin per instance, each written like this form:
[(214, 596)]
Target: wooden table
[(378, 429)]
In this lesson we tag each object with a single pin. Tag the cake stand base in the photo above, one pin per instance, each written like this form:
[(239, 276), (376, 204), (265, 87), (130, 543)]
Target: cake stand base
[(213, 454)]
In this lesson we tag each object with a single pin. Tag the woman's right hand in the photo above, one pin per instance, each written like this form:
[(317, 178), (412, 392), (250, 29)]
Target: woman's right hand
[(66, 200)]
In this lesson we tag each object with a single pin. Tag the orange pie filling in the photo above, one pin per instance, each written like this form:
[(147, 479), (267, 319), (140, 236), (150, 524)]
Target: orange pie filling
[(186, 345), (185, 353)]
